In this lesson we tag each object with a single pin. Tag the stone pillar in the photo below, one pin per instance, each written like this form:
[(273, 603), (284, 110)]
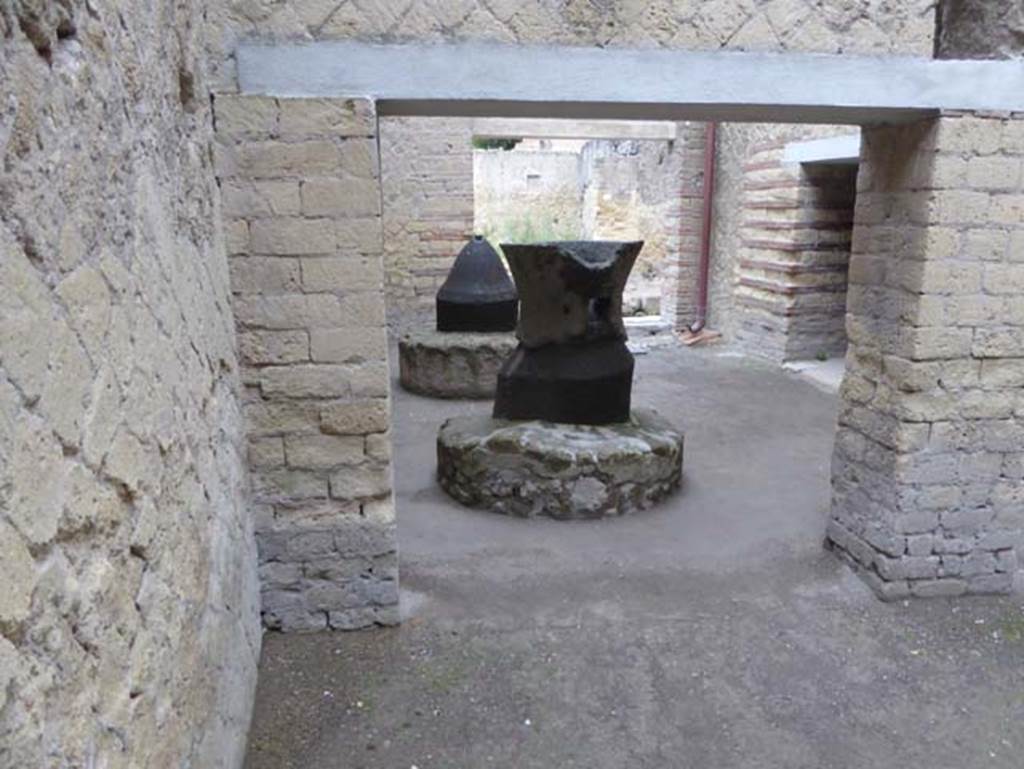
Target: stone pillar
[(928, 467), (301, 195)]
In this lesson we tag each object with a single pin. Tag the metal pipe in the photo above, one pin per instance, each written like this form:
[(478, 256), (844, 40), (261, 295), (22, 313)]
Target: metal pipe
[(707, 205)]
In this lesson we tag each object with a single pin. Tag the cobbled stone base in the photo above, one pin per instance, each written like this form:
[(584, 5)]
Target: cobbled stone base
[(453, 365), (564, 471)]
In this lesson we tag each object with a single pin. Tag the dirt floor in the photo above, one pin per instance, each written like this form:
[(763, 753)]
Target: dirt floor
[(712, 632)]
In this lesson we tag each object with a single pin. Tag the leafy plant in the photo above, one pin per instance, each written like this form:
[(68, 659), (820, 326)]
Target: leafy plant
[(483, 143)]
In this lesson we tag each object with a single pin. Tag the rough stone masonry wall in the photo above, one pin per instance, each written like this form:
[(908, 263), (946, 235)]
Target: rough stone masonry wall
[(852, 26), (527, 195), (427, 180), (610, 189), (301, 189), (979, 29), (634, 190), (796, 221), (129, 628), (928, 469)]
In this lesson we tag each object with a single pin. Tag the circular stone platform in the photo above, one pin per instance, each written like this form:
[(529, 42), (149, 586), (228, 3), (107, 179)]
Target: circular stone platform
[(453, 364), (564, 471)]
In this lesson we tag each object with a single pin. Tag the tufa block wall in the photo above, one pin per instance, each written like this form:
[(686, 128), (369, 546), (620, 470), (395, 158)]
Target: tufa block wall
[(427, 181), (129, 626), (928, 468), (302, 207)]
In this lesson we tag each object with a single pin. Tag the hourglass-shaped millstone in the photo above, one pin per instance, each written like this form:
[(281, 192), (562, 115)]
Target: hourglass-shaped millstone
[(478, 294), (572, 364)]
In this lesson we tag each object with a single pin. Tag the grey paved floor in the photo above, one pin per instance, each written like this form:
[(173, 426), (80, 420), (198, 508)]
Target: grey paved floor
[(710, 633)]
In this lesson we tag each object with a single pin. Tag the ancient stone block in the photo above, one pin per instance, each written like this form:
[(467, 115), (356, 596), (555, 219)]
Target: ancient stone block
[(351, 196), (362, 481), (278, 160), (327, 117), (239, 115), (352, 344), (319, 452), (355, 417), (260, 199), (342, 274), (291, 236), (273, 347), (453, 365), (306, 381), (265, 275)]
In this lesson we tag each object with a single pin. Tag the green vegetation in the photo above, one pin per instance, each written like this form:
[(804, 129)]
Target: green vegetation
[(480, 143), (529, 230)]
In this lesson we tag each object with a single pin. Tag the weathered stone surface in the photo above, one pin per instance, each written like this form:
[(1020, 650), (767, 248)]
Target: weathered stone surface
[(129, 614), (929, 430), (855, 26), (306, 279), (452, 365), (563, 471), (355, 417), (979, 29)]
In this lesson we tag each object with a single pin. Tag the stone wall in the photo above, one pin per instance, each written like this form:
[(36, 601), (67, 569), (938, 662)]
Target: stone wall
[(604, 189), (854, 26), (129, 628), (301, 188), (796, 221), (738, 159), (427, 180), (979, 29), (928, 468), (523, 195), (633, 190)]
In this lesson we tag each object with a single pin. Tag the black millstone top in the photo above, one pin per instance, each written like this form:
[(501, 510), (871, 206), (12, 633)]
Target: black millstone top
[(478, 294)]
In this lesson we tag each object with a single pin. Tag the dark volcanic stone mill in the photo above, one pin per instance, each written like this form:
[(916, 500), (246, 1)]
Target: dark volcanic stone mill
[(477, 295), (572, 364)]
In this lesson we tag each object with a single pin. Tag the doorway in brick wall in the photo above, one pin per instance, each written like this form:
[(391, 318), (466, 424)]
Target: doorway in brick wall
[(445, 179), (793, 235)]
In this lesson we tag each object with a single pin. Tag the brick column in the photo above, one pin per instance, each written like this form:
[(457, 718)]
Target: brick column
[(928, 467), (795, 249), (679, 287), (301, 196)]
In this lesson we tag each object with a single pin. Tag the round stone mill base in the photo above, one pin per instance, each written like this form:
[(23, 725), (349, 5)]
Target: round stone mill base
[(453, 364), (564, 471)]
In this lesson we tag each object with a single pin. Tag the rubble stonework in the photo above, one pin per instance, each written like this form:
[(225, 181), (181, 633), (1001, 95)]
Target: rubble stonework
[(129, 625), (563, 471), (928, 465), (302, 207)]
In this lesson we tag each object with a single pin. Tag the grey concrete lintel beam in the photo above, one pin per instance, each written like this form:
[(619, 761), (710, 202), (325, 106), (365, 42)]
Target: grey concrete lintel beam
[(490, 80), (833, 150), (574, 129)]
